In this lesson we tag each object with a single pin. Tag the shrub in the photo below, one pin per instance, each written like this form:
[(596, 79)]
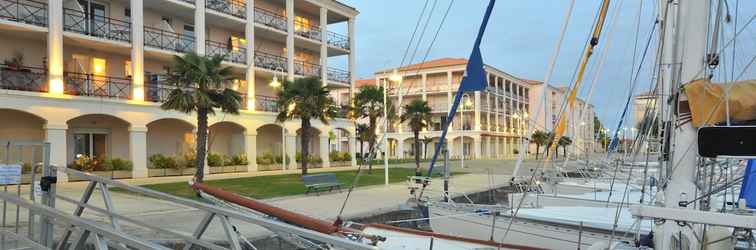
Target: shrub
[(159, 161), (84, 163), (314, 159), (335, 156), (214, 160), (298, 157), (239, 160), (117, 164), (346, 156)]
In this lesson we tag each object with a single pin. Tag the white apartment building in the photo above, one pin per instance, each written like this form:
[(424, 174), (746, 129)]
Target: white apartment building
[(91, 79), (489, 124), (580, 123)]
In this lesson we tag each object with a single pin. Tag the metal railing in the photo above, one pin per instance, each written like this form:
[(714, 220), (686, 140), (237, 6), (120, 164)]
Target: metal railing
[(338, 75), (237, 8), (96, 26), (338, 40), (306, 68), (343, 111), (28, 11), (23, 78), (231, 54), (266, 103), (168, 40), (270, 19), (92, 85), (158, 90), (308, 30), (270, 61)]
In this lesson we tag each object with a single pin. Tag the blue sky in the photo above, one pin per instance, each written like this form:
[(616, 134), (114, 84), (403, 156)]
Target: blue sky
[(520, 39)]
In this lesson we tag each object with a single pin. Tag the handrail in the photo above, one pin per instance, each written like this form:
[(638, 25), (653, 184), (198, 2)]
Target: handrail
[(306, 68), (270, 61), (93, 85), (237, 8), (266, 103), (231, 54), (96, 25), (29, 11), (308, 30), (168, 40), (338, 40), (338, 75), (220, 211), (270, 18), (24, 78)]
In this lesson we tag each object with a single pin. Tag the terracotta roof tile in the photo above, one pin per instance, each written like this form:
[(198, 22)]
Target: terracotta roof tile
[(435, 63), (364, 82)]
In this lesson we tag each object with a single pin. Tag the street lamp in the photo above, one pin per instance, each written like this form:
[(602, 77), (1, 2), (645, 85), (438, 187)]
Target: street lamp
[(395, 77), (276, 84)]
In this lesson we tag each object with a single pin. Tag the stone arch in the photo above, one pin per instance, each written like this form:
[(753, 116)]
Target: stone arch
[(458, 148), (339, 139), (226, 138), (98, 135), (269, 139), (314, 146), (24, 126), (170, 137)]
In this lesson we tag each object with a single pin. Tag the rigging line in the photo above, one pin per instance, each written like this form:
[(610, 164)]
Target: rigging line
[(732, 73), (560, 127), (414, 32), (422, 33)]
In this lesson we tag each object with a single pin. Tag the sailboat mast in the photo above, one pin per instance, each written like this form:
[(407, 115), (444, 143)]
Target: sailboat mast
[(684, 55)]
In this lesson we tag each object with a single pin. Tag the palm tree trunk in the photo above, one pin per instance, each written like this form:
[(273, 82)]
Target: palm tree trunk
[(371, 142), (305, 145), (538, 147), (362, 153), (199, 176), (417, 153)]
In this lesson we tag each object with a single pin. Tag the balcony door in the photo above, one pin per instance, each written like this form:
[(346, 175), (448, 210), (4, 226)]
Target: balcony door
[(92, 143), (95, 16)]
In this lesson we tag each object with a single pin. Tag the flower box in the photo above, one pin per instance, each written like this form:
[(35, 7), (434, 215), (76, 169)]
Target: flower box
[(269, 167), (121, 174), (242, 168), (215, 170), (155, 172), (229, 169)]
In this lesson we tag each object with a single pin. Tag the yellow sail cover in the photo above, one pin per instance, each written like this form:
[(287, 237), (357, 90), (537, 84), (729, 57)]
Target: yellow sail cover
[(708, 107)]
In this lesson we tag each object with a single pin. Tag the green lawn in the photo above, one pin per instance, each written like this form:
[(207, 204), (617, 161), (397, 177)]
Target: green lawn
[(263, 187)]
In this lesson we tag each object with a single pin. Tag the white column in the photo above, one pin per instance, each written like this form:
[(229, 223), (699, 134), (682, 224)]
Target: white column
[(324, 45), (137, 50), (138, 151), (507, 149), (353, 149), (250, 147), (399, 149), (424, 84), (55, 48), (450, 146), (449, 92), (477, 111), (56, 136), (199, 26), (476, 147), (489, 147), (290, 39), (324, 150), (291, 151), (249, 32), (352, 58)]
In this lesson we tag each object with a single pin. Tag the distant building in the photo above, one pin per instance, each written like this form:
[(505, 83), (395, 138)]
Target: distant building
[(580, 123)]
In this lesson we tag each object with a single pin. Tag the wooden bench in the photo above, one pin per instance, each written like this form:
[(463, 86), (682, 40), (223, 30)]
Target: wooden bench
[(315, 182)]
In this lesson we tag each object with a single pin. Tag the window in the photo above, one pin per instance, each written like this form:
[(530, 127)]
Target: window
[(301, 24), (127, 12), (237, 43), (128, 69), (94, 144)]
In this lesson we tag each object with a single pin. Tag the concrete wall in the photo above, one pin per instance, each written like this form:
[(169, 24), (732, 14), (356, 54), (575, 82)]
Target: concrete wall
[(170, 137), (117, 133), (226, 138)]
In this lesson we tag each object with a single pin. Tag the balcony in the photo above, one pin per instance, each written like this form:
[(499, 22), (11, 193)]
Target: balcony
[(266, 103), (230, 53), (237, 8), (270, 19), (28, 12), (23, 78), (96, 26), (338, 75), (306, 68), (168, 40), (342, 111), (270, 61), (158, 90), (100, 86), (338, 40), (308, 30)]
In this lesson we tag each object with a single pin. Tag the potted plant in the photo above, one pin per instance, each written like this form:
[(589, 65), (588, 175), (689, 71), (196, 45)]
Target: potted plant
[(158, 165), (189, 163), (119, 168), (215, 161), (241, 163)]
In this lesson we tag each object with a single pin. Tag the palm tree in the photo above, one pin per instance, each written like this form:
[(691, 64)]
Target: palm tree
[(305, 99), (564, 141), (368, 103), (418, 115), (425, 141), (202, 85), (540, 138), (362, 135)]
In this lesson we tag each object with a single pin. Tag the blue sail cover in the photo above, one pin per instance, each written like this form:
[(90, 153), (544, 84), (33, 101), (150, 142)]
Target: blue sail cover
[(748, 189)]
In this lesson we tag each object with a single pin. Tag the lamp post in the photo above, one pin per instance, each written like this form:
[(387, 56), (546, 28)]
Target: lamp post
[(466, 104), (276, 84)]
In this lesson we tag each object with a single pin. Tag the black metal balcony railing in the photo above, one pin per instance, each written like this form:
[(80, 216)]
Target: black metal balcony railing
[(270, 61), (307, 30), (237, 8), (343, 111), (231, 54), (338, 40), (270, 19), (167, 40), (23, 78), (91, 85), (96, 26), (158, 90), (338, 75), (266, 103), (30, 12), (306, 68)]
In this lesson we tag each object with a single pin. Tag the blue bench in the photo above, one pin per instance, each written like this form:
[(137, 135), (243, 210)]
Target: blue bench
[(315, 182)]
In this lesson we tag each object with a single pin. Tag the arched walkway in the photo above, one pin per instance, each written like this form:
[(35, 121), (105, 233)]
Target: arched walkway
[(314, 146), (226, 138), (269, 140), (97, 136), (170, 137), (23, 127), (463, 145)]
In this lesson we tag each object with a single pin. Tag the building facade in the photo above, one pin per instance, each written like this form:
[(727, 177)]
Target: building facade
[(580, 120), (489, 124), (87, 76)]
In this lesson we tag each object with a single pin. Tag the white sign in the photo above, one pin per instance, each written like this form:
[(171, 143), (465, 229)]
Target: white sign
[(10, 174)]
